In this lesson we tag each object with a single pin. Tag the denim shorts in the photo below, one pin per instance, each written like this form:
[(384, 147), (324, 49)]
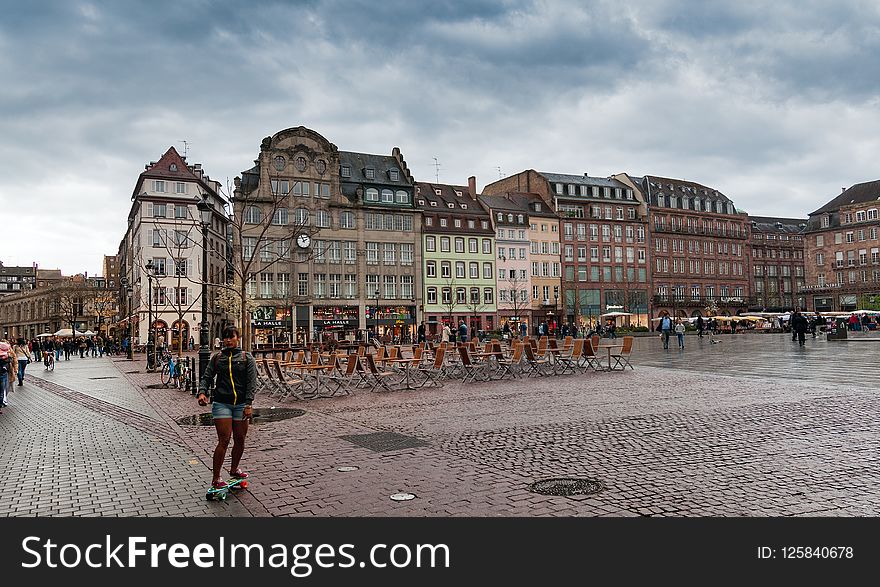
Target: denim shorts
[(221, 410)]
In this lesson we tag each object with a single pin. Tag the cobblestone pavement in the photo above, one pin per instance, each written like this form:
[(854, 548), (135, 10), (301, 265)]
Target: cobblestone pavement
[(753, 426)]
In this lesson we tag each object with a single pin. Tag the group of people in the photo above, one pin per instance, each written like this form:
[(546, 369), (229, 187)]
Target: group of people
[(13, 361)]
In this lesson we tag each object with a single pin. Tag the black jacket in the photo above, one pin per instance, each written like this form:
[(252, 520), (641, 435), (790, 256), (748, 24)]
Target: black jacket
[(235, 372)]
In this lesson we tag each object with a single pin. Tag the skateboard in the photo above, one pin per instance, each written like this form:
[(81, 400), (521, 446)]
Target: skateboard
[(221, 494)]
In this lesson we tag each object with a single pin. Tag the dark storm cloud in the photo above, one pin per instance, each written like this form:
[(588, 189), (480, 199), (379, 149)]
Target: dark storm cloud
[(771, 102)]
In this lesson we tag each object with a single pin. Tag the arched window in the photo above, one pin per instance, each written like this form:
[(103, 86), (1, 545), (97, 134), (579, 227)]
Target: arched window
[(301, 216), (372, 195), (387, 197), (253, 215), (402, 197)]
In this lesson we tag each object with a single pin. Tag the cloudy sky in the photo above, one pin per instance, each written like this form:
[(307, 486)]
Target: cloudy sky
[(773, 103)]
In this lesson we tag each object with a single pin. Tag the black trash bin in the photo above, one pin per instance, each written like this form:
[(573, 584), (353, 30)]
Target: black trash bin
[(837, 330)]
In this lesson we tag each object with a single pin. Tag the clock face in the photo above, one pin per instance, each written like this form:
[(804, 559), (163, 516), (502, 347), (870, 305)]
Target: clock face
[(303, 241)]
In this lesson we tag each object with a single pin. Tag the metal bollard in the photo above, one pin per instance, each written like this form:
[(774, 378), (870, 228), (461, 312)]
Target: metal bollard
[(190, 378)]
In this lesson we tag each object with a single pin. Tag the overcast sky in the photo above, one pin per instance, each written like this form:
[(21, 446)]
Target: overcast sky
[(773, 103)]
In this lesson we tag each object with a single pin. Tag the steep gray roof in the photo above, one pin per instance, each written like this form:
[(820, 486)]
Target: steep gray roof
[(582, 180), (860, 193), (778, 225)]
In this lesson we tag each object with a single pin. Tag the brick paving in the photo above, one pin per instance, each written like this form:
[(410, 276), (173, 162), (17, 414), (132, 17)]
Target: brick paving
[(754, 426)]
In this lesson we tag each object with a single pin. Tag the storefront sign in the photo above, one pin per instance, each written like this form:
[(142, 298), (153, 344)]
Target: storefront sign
[(269, 324)]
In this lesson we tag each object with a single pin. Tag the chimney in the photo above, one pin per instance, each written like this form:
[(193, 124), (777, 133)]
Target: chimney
[(472, 186), (842, 190)]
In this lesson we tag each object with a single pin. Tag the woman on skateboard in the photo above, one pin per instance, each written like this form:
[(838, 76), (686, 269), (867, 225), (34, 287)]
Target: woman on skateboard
[(235, 372)]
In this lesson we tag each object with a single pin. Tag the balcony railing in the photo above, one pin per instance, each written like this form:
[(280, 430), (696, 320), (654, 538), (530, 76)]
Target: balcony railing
[(700, 231)]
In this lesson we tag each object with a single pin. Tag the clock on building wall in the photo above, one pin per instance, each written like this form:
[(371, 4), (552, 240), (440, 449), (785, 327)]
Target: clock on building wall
[(300, 163), (303, 241), (279, 162), (321, 166)]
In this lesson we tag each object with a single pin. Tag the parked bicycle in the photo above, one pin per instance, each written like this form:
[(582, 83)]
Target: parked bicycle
[(49, 360), (175, 371)]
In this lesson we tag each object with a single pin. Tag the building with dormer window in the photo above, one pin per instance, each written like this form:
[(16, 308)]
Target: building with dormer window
[(842, 252)]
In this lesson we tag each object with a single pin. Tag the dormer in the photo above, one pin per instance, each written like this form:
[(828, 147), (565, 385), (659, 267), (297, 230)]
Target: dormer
[(369, 173), (393, 175)]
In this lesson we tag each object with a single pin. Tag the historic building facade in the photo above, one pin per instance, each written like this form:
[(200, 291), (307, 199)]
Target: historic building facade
[(159, 269), (842, 252), (603, 247), (459, 257), (340, 255), (80, 302), (777, 272), (699, 247)]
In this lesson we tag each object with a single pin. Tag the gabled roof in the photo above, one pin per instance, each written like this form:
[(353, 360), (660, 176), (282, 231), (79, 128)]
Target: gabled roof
[(448, 195), (172, 167), (517, 202), (860, 193)]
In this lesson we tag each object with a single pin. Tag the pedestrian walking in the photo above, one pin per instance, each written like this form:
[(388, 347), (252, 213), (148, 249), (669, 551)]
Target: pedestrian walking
[(23, 357), (462, 332), (679, 332), (231, 380), (446, 334), (6, 371), (665, 329), (421, 332), (700, 326), (799, 327)]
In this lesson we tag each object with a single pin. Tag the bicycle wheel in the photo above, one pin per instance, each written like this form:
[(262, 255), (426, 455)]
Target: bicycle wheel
[(166, 374)]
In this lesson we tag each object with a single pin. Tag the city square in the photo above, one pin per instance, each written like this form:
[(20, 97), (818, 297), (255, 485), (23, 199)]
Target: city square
[(754, 426)]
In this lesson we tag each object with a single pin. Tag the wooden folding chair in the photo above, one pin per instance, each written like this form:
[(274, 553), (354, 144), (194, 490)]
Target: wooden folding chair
[(434, 373), (375, 376), (289, 386), (569, 362), (472, 369), (589, 358), (536, 366), (621, 358)]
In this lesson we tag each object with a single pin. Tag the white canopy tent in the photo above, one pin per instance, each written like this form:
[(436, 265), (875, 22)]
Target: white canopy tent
[(68, 332)]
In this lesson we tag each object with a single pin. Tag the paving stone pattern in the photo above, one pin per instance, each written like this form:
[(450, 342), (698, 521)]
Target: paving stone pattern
[(760, 428)]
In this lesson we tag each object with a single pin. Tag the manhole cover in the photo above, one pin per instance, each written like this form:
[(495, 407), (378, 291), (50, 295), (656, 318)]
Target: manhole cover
[(347, 469), (384, 441), (402, 497), (566, 487), (260, 416)]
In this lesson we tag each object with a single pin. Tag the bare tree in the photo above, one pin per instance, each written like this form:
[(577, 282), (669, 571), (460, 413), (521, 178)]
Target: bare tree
[(449, 304), (73, 299), (516, 286), (181, 302), (474, 303), (263, 234)]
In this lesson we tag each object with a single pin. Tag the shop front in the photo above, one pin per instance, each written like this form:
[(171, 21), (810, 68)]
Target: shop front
[(396, 322), (340, 322), (180, 331), (271, 326)]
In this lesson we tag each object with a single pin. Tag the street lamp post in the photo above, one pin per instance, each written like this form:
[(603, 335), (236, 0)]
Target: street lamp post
[(129, 351), (151, 354), (205, 214), (556, 308), (376, 314)]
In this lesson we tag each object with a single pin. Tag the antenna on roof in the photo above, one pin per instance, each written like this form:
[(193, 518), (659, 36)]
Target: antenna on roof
[(437, 170), (185, 147)]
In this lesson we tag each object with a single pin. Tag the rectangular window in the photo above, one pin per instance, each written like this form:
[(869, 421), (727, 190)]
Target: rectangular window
[(266, 285), (430, 243), (389, 253), (372, 253), (302, 284)]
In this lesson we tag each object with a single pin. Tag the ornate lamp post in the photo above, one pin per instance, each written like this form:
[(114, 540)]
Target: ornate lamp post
[(205, 215), (556, 307), (129, 351)]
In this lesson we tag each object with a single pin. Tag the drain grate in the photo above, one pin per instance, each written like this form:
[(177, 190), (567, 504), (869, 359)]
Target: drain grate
[(385, 441), (566, 486)]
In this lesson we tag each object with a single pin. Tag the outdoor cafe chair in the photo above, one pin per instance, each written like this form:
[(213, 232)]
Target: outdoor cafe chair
[(375, 377), (435, 373), (287, 386), (589, 358), (508, 366), (536, 366), (621, 357), (343, 380), (472, 370), (569, 360), (265, 381)]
